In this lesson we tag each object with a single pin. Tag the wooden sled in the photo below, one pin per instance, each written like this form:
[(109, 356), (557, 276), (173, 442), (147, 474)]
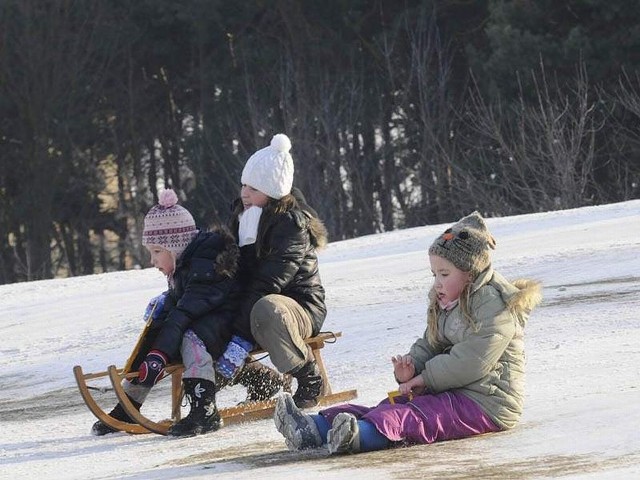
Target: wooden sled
[(231, 415)]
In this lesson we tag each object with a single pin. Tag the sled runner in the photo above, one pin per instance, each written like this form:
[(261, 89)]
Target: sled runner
[(231, 415), (104, 417), (81, 380)]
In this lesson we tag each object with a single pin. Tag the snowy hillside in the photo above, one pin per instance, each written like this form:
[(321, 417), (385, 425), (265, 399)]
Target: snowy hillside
[(582, 417)]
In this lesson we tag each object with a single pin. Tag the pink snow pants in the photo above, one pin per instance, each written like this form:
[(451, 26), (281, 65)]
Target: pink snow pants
[(425, 419)]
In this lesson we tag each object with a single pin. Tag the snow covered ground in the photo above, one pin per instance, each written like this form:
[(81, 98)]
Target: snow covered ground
[(582, 417)]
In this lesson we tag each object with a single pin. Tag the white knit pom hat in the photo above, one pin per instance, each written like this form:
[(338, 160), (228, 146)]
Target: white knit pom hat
[(169, 225), (270, 169)]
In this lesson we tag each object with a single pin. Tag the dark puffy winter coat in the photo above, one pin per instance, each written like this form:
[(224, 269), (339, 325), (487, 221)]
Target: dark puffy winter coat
[(283, 260), (204, 297)]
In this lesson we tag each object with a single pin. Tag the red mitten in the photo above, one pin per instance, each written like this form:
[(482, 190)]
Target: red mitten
[(152, 368)]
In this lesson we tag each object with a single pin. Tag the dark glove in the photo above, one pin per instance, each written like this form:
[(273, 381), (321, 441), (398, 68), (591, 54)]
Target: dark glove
[(152, 368), (229, 364), (155, 307)]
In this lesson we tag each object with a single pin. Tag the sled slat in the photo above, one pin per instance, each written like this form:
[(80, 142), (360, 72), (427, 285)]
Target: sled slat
[(264, 410)]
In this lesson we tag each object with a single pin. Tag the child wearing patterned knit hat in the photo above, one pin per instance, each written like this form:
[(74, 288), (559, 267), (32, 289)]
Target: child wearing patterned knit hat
[(464, 376), (192, 319)]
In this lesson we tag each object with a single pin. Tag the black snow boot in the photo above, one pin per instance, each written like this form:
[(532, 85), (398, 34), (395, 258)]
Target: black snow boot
[(203, 416), (261, 382), (310, 385), (118, 413)]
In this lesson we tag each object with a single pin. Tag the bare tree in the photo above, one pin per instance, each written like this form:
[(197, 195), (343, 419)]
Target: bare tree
[(535, 156)]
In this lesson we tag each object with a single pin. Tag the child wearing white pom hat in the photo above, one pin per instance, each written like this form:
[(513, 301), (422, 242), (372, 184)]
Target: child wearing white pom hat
[(270, 169), (283, 300)]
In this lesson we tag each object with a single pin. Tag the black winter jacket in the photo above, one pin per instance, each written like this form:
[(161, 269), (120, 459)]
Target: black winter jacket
[(283, 260), (204, 298)]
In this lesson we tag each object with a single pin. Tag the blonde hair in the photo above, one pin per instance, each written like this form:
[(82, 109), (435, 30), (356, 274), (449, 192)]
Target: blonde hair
[(434, 311)]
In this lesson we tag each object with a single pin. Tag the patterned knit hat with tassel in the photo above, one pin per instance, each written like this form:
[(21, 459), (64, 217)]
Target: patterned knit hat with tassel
[(169, 225)]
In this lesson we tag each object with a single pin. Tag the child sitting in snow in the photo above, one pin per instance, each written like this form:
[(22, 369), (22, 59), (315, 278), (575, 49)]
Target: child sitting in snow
[(192, 321), (465, 375)]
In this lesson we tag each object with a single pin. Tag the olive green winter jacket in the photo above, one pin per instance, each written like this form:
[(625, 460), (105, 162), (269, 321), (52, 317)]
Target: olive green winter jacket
[(485, 362)]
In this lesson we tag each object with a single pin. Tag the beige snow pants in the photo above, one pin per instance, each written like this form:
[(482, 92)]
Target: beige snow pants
[(280, 325)]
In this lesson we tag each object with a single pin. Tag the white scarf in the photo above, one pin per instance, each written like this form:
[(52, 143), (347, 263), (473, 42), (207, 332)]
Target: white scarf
[(248, 226)]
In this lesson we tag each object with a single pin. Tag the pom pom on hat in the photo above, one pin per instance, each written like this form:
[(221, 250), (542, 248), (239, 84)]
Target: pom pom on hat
[(281, 143), (270, 169), (466, 244), (168, 224), (167, 198)]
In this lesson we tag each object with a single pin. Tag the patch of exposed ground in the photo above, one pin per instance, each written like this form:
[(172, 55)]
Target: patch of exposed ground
[(55, 403), (571, 294), (451, 459)]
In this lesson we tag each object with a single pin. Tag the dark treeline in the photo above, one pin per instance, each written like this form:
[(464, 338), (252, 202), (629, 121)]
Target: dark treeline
[(400, 113)]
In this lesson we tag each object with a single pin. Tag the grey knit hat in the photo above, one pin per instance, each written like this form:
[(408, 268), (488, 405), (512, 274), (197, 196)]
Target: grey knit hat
[(466, 244)]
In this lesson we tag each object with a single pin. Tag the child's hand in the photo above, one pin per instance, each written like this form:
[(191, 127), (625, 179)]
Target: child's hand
[(152, 368), (155, 306), (403, 368), (233, 358), (415, 385)]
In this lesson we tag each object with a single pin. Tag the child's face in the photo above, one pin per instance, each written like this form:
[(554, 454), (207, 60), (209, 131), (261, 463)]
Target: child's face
[(162, 259), (448, 279), (252, 198)]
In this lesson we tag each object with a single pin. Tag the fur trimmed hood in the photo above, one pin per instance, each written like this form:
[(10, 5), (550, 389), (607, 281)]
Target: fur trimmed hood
[(227, 260), (528, 297), (305, 216), (217, 244), (520, 296)]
